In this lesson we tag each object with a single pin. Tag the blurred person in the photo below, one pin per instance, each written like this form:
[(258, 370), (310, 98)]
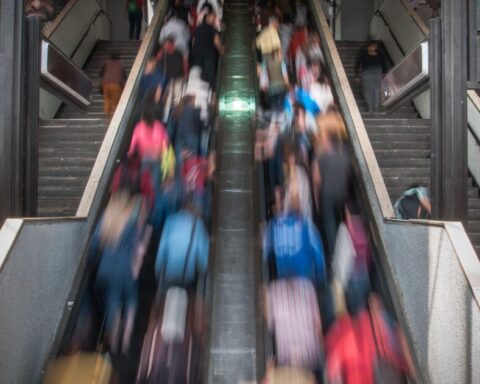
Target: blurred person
[(268, 40), (331, 179), (314, 52), (285, 32), (321, 93), (174, 67), (134, 9), (152, 80), (301, 137), (179, 8), (295, 244), (300, 9), (205, 48), (330, 124), (177, 29), (149, 138), (116, 240), (168, 200), (277, 80), (298, 183), (298, 330), (200, 90), (298, 40), (372, 63), (43, 9), (189, 128), (172, 251), (113, 80), (414, 203)]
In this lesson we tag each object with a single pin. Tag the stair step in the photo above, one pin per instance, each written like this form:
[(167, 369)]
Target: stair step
[(402, 153), (401, 145), (385, 121), (474, 226), (405, 182), (390, 162), (406, 172), (474, 214)]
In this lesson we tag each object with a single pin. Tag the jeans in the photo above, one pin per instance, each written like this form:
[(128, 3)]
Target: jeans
[(135, 20), (372, 83)]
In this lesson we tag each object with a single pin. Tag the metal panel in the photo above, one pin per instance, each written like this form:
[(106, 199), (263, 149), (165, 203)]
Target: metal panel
[(63, 78), (407, 79)]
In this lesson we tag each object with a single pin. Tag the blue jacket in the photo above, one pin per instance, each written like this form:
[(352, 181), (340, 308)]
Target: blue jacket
[(297, 247), (172, 251)]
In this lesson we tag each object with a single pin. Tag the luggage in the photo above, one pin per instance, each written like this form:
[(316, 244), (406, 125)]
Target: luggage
[(343, 256)]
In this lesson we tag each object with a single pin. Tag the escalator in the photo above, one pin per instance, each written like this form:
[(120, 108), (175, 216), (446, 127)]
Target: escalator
[(69, 143)]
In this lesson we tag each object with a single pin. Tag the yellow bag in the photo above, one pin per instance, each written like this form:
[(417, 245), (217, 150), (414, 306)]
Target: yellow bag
[(338, 296), (289, 375), (80, 368)]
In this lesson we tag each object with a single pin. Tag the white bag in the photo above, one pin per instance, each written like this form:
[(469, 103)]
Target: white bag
[(343, 256), (174, 315)]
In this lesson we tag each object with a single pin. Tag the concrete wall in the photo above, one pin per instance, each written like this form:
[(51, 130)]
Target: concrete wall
[(35, 281), (355, 16), (444, 316)]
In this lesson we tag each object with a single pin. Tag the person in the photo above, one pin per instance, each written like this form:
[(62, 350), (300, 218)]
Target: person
[(331, 179), (115, 238), (373, 64), (174, 67), (113, 80), (277, 80), (135, 17), (321, 93), (414, 203), (268, 41), (152, 80), (43, 9), (175, 28), (149, 137), (296, 246), (184, 246), (206, 45), (189, 128), (285, 32)]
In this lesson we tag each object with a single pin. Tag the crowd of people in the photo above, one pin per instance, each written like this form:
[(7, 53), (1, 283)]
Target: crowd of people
[(154, 229), (322, 304)]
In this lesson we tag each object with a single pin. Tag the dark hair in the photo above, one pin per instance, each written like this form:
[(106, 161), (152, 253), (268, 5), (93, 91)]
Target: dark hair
[(114, 55), (287, 19), (148, 107)]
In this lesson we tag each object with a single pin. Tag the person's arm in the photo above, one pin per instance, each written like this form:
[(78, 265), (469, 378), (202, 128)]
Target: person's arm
[(267, 241), (162, 252), (317, 249), (359, 63), (218, 43), (316, 183), (133, 143), (203, 246)]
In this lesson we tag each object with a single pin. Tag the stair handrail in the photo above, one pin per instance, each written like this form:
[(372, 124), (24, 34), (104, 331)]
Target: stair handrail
[(362, 147)]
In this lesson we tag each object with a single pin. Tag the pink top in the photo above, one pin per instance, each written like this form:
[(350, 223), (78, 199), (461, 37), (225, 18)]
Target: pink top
[(149, 141)]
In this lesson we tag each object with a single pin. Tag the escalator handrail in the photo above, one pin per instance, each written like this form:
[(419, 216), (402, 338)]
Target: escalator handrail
[(362, 147)]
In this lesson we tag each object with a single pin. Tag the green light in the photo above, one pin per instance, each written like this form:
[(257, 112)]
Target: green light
[(234, 104)]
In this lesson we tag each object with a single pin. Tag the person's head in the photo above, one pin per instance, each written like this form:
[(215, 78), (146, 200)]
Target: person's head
[(43, 9), (300, 121), (287, 19), (114, 55), (273, 21), (169, 44), (372, 46), (210, 18), (148, 108)]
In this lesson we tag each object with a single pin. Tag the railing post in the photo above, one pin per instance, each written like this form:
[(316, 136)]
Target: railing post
[(435, 52), (31, 112), (11, 47)]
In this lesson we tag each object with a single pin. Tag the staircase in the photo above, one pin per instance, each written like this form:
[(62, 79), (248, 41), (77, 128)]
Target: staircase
[(401, 142), (69, 144)]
